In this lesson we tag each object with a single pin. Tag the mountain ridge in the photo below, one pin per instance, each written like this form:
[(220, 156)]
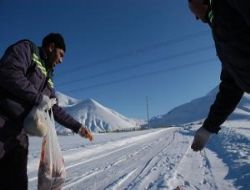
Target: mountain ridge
[(94, 116), (197, 110)]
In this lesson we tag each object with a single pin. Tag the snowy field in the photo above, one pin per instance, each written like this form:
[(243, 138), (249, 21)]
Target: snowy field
[(153, 159)]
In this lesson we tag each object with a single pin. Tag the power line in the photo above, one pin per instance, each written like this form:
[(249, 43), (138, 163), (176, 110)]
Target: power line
[(141, 75), (129, 67), (136, 52)]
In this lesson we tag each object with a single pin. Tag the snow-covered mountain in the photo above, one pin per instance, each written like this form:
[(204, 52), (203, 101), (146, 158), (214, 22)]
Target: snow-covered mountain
[(198, 109), (65, 101), (94, 115)]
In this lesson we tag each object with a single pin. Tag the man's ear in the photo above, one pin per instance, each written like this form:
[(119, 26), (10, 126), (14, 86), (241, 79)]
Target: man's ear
[(199, 9), (51, 46)]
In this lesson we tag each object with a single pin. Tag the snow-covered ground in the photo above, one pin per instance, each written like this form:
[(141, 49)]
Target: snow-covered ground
[(153, 159)]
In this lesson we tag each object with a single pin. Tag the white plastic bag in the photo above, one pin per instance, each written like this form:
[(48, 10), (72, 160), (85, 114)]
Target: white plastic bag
[(35, 123), (51, 172)]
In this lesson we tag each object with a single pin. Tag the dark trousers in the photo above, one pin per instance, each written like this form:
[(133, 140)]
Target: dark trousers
[(13, 169)]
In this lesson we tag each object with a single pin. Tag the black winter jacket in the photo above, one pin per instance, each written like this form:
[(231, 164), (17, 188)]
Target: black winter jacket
[(231, 32), (22, 85)]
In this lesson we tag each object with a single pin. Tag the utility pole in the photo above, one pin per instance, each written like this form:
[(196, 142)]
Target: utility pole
[(147, 111)]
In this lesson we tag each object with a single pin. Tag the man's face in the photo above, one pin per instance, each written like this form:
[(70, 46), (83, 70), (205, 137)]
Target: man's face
[(55, 56)]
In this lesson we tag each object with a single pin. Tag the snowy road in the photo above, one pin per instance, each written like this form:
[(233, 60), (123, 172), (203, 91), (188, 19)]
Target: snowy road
[(129, 163), (152, 159)]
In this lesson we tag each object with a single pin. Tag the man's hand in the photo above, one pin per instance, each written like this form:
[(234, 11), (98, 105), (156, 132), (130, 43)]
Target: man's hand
[(198, 8), (46, 103), (201, 138), (84, 132)]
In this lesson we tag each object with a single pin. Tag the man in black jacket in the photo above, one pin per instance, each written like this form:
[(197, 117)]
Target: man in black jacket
[(230, 24), (26, 81)]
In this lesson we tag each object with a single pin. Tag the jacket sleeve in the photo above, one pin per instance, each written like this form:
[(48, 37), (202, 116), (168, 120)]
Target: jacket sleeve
[(62, 117), (243, 8), (228, 97), (13, 68)]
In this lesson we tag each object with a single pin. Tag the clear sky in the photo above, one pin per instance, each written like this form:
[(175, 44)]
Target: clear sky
[(121, 51)]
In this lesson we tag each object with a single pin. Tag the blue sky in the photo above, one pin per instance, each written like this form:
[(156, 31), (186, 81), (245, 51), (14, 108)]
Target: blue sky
[(121, 51)]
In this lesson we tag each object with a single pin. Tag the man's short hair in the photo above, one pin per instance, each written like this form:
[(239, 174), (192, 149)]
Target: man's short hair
[(55, 38)]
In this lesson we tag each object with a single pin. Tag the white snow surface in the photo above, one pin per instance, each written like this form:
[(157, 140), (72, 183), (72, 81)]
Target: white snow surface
[(95, 116), (153, 159)]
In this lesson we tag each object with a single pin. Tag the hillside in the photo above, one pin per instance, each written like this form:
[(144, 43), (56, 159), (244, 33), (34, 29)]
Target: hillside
[(95, 116), (198, 109)]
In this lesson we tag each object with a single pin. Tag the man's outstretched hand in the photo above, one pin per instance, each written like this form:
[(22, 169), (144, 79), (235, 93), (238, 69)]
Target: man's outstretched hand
[(84, 132), (201, 138)]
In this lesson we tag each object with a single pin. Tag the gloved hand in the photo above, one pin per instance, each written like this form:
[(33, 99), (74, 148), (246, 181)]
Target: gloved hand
[(46, 103), (84, 132), (201, 138)]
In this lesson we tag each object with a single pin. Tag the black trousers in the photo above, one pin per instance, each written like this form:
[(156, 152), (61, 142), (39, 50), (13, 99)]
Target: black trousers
[(13, 169)]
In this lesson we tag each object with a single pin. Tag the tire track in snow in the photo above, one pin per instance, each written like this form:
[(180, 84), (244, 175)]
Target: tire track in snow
[(124, 144), (120, 181), (150, 167), (89, 160), (73, 181), (153, 167), (79, 179)]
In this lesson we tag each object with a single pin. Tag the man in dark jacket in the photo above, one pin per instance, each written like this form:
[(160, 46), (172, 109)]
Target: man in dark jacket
[(25, 75), (230, 24)]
